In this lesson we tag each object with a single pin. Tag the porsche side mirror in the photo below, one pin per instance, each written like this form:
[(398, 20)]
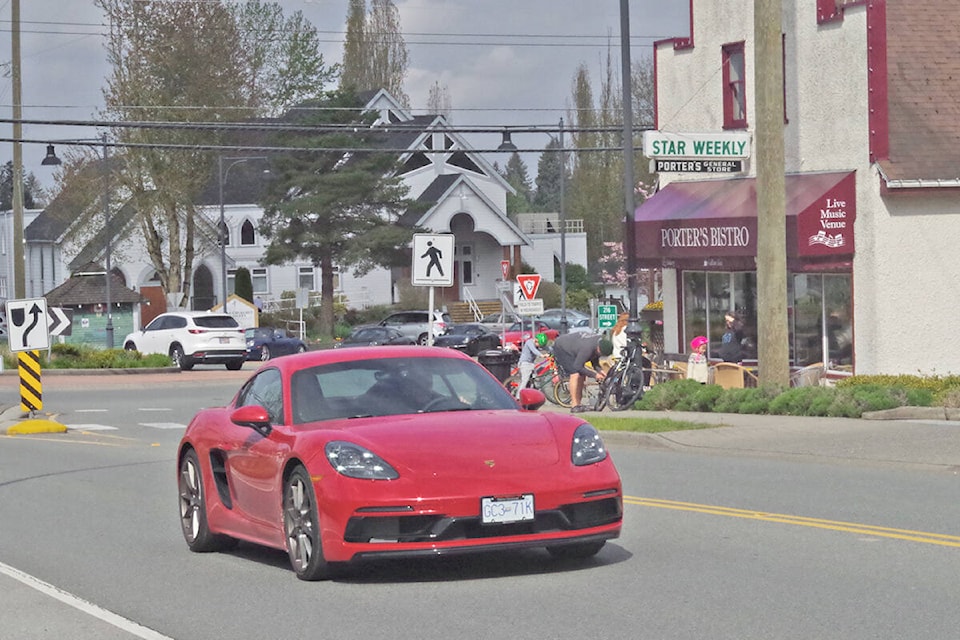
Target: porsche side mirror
[(531, 399), (253, 416)]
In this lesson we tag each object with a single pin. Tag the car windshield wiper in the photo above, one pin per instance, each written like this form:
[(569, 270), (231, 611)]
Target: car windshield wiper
[(361, 415)]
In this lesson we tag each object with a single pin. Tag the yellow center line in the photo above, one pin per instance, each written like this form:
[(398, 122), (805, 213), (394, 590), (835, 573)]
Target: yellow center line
[(802, 521)]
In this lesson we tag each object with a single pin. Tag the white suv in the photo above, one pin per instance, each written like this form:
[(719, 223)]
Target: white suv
[(192, 337)]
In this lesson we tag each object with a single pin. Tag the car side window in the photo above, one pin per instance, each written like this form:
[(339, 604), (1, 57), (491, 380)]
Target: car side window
[(175, 322), (265, 390), (156, 324)]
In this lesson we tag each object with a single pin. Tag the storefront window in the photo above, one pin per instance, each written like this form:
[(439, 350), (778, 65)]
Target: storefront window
[(822, 329), (708, 296)]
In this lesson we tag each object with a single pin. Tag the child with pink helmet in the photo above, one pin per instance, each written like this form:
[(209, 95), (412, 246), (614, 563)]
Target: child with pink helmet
[(697, 365)]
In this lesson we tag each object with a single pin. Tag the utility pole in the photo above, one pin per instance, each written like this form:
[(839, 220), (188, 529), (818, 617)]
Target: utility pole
[(19, 264), (773, 353)]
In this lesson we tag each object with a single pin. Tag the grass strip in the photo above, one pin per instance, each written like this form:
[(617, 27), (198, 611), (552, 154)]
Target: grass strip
[(645, 425)]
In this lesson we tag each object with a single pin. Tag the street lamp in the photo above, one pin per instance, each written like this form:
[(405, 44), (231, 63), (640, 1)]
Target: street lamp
[(222, 231), (51, 159)]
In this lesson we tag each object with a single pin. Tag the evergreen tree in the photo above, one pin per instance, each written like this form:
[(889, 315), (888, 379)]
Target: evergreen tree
[(32, 191), (332, 209), (516, 174), (243, 284), (547, 197)]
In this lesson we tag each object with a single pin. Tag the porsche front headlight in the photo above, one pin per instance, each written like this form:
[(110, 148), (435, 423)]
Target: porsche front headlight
[(587, 446), (355, 461)]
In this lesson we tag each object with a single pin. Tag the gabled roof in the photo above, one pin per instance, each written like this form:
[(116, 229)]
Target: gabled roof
[(96, 247), (88, 286), (923, 92), (440, 190)]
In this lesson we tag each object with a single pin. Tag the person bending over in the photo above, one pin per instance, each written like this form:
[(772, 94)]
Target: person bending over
[(573, 351)]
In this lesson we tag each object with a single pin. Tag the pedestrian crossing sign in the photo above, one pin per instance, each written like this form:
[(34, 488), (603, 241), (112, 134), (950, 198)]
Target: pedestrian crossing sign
[(432, 260)]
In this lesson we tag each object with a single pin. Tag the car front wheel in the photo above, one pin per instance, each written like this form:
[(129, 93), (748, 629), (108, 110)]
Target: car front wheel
[(422, 339), (301, 526), (180, 359), (264, 353)]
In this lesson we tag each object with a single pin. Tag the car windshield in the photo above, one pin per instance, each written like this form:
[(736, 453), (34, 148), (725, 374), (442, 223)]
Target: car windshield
[(394, 386), (263, 334), (464, 329)]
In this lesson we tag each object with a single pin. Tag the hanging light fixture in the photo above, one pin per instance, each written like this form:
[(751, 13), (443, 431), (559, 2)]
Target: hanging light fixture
[(51, 158), (507, 145)]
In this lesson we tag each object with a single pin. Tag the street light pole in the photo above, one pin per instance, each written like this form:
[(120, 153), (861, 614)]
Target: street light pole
[(222, 231), (563, 236), (108, 235), (629, 241)]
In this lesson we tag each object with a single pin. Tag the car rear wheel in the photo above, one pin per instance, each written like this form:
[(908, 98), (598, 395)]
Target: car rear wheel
[(579, 551), (193, 508), (264, 353), (235, 365), (180, 359), (301, 526), (301, 349)]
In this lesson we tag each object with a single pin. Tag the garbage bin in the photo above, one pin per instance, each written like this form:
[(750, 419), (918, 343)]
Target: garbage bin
[(497, 362)]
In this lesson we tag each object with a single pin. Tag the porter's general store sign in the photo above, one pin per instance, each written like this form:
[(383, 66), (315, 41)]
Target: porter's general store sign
[(714, 146)]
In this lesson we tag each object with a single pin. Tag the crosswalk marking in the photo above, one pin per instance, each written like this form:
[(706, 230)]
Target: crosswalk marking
[(89, 427), (105, 427)]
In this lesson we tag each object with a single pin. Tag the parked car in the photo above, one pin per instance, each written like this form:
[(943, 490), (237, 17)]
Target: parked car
[(264, 343), (551, 317), (514, 336), (192, 337), (471, 338), (342, 455), (417, 324), (581, 326), (499, 321), (368, 336)]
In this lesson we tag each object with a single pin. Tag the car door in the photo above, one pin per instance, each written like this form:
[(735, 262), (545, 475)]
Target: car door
[(154, 338), (253, 464)]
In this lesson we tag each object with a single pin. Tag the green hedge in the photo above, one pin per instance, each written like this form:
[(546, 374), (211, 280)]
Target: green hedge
[(849, 399)]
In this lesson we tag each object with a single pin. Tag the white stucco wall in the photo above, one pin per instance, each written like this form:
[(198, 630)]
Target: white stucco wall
[(906, 278)]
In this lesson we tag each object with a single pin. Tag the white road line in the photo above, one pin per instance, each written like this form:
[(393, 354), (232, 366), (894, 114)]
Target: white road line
[(82, 605), (163, 425), (92, 410), (154, 409), (89, 427)]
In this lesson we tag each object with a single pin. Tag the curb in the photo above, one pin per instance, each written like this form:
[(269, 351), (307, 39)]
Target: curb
[(96, 372), (914, 413), (36, 425)]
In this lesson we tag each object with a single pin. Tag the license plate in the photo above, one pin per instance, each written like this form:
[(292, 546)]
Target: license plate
[(505, 510), (224, 340)]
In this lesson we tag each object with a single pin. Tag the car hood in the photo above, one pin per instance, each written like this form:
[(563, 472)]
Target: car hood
[(450, 442)]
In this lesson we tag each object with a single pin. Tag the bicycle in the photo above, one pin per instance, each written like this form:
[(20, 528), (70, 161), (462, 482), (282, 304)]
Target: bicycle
[(545, 377), (589, 397), (625, 382)]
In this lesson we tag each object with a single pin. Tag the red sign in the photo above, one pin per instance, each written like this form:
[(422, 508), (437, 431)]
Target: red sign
[(529, 283), (505, 269)]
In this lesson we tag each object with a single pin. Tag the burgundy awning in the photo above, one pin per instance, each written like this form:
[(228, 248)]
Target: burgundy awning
[(713, 223)]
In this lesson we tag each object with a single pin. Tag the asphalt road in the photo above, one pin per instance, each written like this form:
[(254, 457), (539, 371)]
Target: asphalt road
[(761, 528)]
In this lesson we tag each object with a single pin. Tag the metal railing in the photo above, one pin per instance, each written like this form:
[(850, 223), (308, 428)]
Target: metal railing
[(550, 225)]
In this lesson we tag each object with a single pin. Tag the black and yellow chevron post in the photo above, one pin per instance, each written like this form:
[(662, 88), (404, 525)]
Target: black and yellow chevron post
[(31, 389)]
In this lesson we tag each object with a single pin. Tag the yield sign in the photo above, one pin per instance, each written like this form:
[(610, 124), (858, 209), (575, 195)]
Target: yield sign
[(529, 283)]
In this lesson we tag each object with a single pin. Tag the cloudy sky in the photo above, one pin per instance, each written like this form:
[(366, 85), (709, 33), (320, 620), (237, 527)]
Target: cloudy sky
[(504, 62)]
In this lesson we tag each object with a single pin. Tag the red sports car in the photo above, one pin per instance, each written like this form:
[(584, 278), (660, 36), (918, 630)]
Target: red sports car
[(345, 454), (516, 337)]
